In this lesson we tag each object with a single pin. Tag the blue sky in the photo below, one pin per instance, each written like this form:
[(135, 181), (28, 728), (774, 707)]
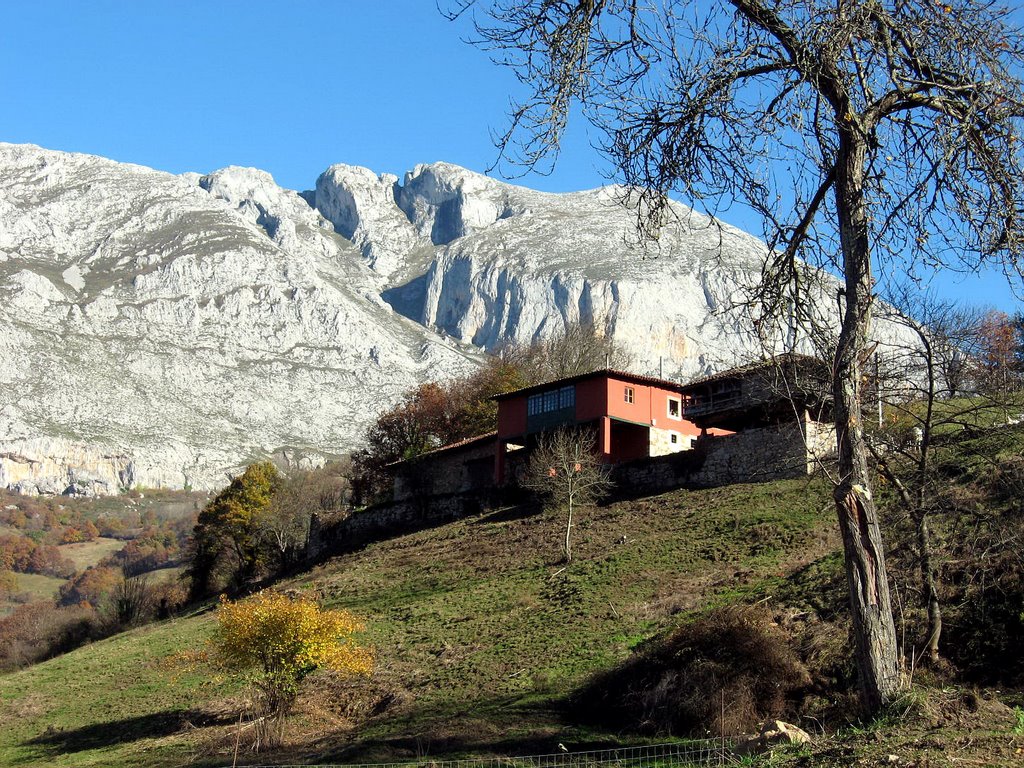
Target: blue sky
[(290, 87)]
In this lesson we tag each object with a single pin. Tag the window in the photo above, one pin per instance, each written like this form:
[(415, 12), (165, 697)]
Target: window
[(674, 438), (675, 408), (629, 394), (567, 397), (552, 400)]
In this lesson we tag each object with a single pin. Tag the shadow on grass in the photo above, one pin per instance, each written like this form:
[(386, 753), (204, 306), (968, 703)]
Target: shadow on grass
[(508, 514), (112, 732), (500, 727)]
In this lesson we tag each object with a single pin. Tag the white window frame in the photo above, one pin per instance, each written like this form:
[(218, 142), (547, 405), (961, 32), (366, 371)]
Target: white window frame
[(629, 395), (679, 408)]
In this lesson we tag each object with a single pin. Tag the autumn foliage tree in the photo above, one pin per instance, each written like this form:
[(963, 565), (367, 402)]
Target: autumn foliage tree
[(999, 343), (23, 555), (227, 538), (298, 497), (428, 417), (91, 587), (277, 641), (8, 584)]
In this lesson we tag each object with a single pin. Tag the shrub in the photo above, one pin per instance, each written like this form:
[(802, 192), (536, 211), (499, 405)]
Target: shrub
[(39, 631), (168, 598), (723, 673), (8, 583), (278, 641), (91, 587)]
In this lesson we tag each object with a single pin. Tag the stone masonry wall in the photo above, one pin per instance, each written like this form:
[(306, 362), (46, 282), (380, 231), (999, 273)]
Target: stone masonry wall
[(394, 518), (755, 455), (450, 472), (661, 442)]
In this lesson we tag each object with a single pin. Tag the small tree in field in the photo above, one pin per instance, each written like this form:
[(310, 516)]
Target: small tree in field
[(279, 641), (566, 470)]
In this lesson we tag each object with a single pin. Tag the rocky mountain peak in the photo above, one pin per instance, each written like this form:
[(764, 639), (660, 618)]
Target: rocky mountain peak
[(445, 202), (362, 207), (166, 330)]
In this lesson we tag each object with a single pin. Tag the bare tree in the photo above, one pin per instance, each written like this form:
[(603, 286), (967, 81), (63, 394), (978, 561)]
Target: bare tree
[(870, 136), (913, 379), (931, 387), (566, 469), (580, 348), (131, 600), (303, 493)]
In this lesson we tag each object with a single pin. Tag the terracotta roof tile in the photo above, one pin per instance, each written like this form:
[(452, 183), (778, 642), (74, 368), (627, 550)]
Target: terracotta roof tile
[(450, 447)]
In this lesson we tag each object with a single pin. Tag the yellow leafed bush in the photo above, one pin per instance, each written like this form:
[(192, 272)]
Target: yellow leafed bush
[(280, 640)]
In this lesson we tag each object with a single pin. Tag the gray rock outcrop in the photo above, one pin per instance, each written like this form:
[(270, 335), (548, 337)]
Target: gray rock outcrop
[(161, 330)]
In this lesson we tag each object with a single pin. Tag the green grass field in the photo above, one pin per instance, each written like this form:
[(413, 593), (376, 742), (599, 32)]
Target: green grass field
[(479, 630), (83, 555), (36, 586), (480, 634)]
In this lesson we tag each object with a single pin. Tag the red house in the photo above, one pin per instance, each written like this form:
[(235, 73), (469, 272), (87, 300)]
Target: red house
[(635, 416)]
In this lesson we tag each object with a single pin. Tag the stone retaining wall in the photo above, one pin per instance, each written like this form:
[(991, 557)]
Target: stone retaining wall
[(754, 455)]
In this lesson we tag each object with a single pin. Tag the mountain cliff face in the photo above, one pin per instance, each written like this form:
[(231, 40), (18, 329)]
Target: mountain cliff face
[(490, 263), (162, 330)]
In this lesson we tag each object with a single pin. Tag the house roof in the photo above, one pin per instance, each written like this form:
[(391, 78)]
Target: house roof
[(466, 443), (787, 358), (610, 372)]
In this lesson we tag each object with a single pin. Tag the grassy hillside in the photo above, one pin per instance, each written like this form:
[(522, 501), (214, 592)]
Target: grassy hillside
[(481, 635), (34, 586), (475, 622), (128, 516)]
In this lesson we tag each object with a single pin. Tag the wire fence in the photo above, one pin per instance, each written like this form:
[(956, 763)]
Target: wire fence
[(689, 753)]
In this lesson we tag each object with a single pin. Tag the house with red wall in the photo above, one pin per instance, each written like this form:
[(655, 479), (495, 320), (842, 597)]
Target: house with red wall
[(634, 416), (769, 419)]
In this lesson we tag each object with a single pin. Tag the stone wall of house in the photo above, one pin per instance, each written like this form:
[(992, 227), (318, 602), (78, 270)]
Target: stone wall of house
[(755, 455), (662, 445), (450, 472), (768, 453)]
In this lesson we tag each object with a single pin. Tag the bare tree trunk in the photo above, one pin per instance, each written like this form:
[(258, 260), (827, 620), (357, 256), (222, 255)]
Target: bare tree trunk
[(870, 603), (931, 592), (568, 531), (924, 547)]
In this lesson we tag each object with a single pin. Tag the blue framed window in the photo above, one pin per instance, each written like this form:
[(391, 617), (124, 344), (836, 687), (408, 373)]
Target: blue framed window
[(552, 400)]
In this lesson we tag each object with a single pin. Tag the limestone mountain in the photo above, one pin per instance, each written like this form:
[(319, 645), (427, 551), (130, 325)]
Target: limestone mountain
[(163, 330), (489, 263), (160, 330)]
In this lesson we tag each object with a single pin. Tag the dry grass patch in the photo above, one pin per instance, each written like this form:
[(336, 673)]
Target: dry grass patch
[(86, 553)]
